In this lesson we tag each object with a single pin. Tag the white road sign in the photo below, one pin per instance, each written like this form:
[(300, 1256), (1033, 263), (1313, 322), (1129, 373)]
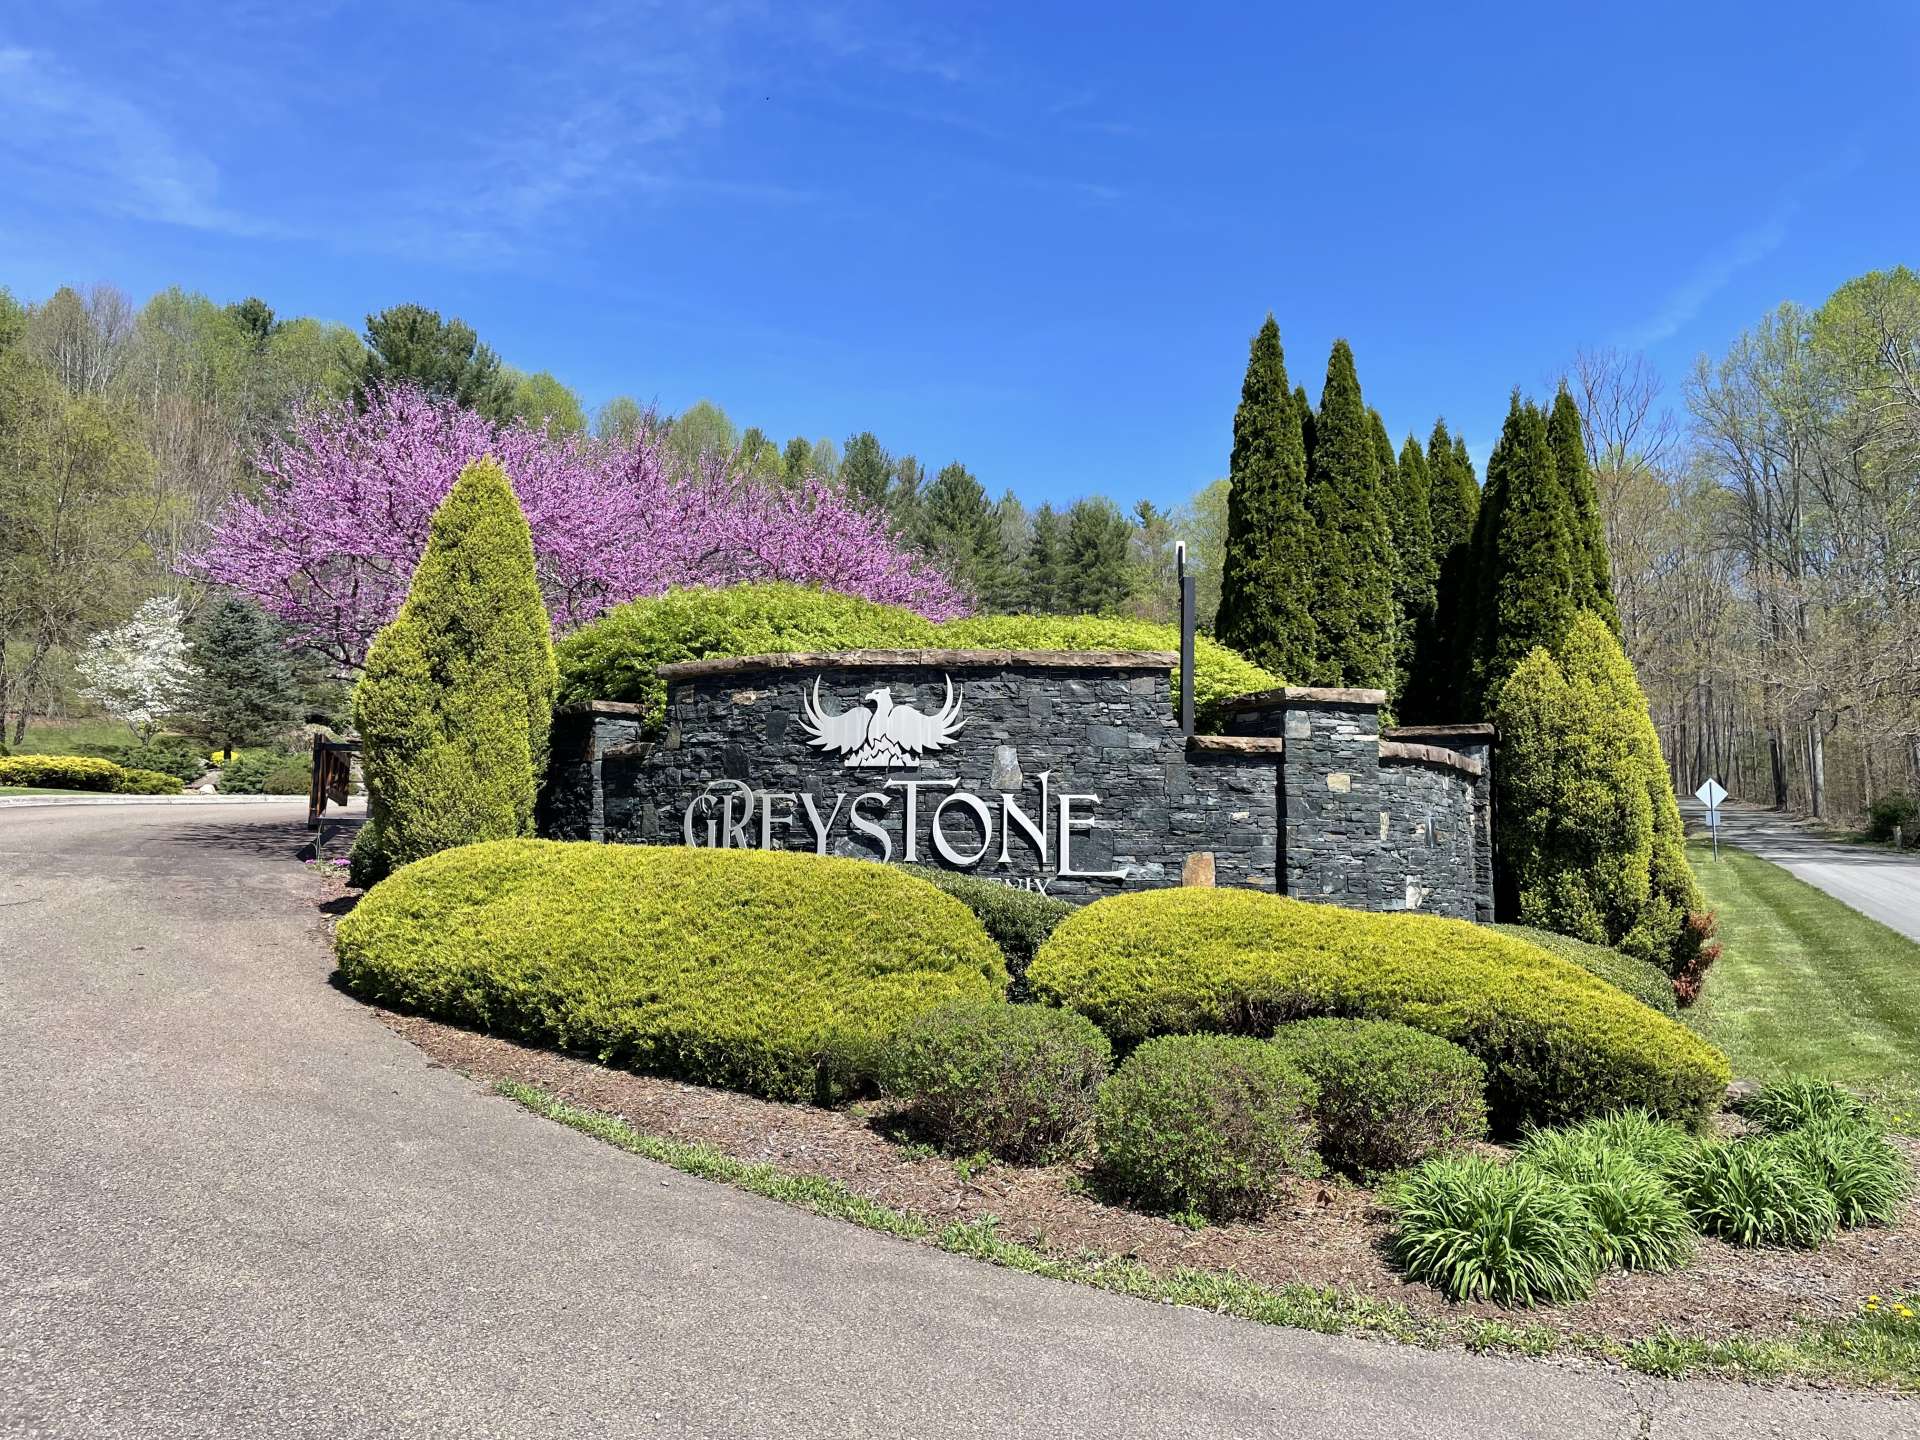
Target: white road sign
[(1711, 794)]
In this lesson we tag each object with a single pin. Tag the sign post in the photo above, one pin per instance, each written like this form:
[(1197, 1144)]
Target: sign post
[(1711, 794)]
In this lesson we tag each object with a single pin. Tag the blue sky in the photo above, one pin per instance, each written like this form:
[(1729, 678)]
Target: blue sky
[(1033, 237)]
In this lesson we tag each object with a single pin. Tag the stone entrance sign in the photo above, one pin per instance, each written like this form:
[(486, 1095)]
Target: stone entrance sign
[(1061, 772)]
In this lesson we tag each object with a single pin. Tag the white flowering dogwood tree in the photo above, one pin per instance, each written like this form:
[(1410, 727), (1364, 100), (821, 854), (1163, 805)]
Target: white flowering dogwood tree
[(139, 672)]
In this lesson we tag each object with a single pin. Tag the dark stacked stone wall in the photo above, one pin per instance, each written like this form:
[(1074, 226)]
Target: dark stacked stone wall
[(1301, 798)]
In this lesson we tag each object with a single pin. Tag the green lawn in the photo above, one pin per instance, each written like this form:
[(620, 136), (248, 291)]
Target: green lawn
[(58, 737), (30, 790), (1805, 983)]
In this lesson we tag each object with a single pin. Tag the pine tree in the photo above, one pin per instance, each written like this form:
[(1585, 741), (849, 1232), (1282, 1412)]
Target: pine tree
[(866, 469), (1045, 543), (245, 691), (1523, 560), (1096, 571), (798, 458), (1354, 552), (457, 697), (1593, 570), (1266, 587), (956, 525), (1417, 571)]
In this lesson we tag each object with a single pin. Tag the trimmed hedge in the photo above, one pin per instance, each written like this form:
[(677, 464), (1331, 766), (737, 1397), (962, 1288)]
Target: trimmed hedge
[(1015, 1080), (1557, 1043), (616, 656), (1205, 1124), (1646, 982), (777, 973), (83, 772), (1390, 1095), (1018, 920)]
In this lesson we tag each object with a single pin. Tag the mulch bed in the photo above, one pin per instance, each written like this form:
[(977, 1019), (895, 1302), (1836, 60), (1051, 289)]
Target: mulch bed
[(1325, 1233)]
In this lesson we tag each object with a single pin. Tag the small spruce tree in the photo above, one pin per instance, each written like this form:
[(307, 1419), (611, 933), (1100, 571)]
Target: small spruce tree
[(244, 690), (457, 698), (1354, 556), (1266, 581)]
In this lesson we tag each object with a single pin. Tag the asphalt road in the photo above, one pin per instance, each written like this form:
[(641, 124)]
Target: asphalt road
[(233, 1205), (1874, 881)]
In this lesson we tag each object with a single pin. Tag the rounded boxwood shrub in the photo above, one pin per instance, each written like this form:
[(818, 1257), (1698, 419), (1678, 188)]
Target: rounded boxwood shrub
[(1015, 1080), (1638, 1222), (1646, 982), (1018, 920), (1557, 1043), (1475, 1229), (1797, 1100), (1866, 1176), (1757, 1192), (1390, 1095), (778, 973), (1205, 1124)]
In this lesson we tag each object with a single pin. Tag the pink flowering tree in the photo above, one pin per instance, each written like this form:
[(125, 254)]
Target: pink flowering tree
[(330, 543)]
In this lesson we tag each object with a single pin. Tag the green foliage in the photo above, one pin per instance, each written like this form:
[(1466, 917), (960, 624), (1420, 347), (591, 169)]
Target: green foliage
[(1757, 1192), (542, 402), (780, 974), (1587, 535), (1390, 1096), (1590, 838), (1866, 1176), (1096, 557), (266, 772), (1046, 553), (1478, 1230), (181, 759), (1205, 1124), (410, 344), (1638, 1222), (1647, 983), (244, 691), (1018, 920), (616, 656), (1523, 553), (1795, 1100), (1265, 610), (1557, 1043), (457, 697), (1417, 566), (956, 524), (1897, 811), (867, 470), (83, 772), (1353, 554), (1017, 1081), (1637, 1134), (1442, 649)]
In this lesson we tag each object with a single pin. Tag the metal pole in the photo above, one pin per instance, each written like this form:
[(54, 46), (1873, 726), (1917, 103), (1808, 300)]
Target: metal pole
[(1188, 605)]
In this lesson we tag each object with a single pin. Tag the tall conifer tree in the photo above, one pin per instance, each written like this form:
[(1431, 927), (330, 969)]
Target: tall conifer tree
[(1353, 550), (1523, 556), (1044, 541), (1442, 654), (1303, 407), (1418, 570), (1266, 584), (1593, 570)]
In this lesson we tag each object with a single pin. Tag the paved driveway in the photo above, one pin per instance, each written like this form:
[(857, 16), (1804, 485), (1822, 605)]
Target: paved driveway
[(233, 1205), (1873, 881)]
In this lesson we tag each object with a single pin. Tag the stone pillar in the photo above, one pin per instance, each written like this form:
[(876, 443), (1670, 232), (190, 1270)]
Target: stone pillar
[(1330, 777)]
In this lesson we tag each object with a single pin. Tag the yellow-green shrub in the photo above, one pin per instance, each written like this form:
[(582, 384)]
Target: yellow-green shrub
[(1558, 1044), (782, 974), (616, 656), (83, 772), (1646, 982)]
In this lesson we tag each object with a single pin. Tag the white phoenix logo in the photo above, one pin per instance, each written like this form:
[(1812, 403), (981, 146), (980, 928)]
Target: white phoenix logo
[(883, 734)]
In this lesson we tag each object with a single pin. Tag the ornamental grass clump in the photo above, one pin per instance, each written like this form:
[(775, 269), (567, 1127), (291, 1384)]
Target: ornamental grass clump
[(1207, 1125), (1798, 1100), (1636, 1134), (1757, 1192), (1390, 1095), (1475, 1229), (1017, 1081), (1638, 1222), (1557, 1044), (1866, 1176), (776, 973)]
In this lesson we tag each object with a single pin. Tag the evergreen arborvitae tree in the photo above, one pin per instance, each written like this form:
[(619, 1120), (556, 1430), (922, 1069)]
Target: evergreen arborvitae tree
[(1436, 691), (1353, 588), (1303, 407), (1266, 588), (958, 527), (1096, 569), (866, 469), (1593, 570), (1523, 558), (1418, 571), (455, 703), (245, 691), (1046, 539)]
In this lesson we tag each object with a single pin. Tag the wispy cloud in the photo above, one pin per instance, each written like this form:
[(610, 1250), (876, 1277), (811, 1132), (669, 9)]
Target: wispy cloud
[(82, 145), (1712, 276)]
